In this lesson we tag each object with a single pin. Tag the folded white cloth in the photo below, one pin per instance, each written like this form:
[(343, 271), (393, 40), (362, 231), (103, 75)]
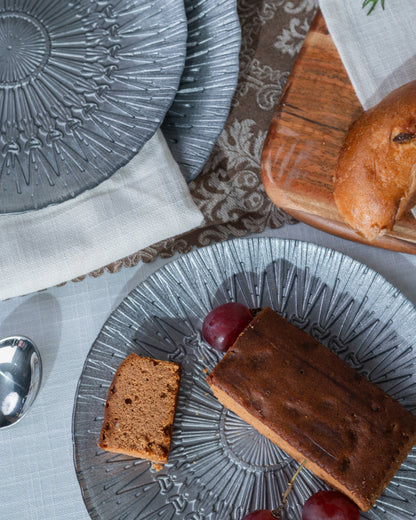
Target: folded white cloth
[(378, 50), (144, 202)]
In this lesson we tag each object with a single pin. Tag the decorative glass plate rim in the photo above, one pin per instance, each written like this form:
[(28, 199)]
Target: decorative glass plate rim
[(184, 127), (368, 276)]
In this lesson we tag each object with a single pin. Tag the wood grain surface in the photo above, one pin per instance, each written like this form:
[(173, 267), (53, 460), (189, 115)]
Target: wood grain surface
[(301, 149)]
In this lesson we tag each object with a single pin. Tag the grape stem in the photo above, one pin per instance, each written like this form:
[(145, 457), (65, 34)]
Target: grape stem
[(276, 512)]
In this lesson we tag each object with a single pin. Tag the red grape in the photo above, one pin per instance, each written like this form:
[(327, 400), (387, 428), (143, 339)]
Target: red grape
[(330, 505), (224, 323), (260, 514)]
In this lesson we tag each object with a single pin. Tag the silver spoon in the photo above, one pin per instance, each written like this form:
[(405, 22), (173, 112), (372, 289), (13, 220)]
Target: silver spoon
[(20, 377)]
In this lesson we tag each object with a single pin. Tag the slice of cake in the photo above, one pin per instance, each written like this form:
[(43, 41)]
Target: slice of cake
[(140, 408), (313, 405)]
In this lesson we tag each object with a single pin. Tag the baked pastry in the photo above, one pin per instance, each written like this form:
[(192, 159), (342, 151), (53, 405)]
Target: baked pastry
[(314, 406), (140, 408), (375, 179)]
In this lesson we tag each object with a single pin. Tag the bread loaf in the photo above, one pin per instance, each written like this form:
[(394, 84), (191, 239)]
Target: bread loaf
[(314, 406), (375, 179), (140, 409)]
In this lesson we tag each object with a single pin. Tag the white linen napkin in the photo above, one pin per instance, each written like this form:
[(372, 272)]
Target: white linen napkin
[(144, 202), (378, 50)]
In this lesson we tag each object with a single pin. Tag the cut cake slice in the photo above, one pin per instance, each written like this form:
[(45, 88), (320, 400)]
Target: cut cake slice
[(313, 405), (140, 408)]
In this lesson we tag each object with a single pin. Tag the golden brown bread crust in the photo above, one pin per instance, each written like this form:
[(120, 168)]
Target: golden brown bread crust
[(313, 405), (140, 409), (375, 179)]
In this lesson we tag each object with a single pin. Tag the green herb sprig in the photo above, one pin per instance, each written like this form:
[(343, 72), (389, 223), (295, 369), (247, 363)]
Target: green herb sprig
[(373, 4)]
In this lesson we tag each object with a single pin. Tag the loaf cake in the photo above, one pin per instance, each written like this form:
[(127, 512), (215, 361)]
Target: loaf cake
[(375, 178), (140, 409), (314, 406)]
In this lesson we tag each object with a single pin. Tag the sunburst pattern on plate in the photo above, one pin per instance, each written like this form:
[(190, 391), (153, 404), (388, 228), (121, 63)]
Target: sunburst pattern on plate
[(201, 105), (83, 85), (219, 467)]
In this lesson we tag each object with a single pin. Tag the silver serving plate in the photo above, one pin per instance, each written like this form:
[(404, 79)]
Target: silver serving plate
[(83, 85), (219, 467)]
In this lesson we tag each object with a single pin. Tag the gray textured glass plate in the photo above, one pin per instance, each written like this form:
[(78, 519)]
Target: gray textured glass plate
[(200, 109), (219, 467), (83, 85)]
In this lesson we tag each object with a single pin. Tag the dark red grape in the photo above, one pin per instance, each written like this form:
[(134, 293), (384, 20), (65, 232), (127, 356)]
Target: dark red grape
[(330, 505), (224, 323), (260, 514)]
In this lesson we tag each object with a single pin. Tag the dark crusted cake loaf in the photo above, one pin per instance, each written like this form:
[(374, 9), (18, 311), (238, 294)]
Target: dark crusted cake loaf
[(140, 408), (313, 405)]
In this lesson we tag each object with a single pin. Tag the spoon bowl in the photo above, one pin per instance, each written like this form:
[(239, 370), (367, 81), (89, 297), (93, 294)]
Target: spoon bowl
[(20, 377)]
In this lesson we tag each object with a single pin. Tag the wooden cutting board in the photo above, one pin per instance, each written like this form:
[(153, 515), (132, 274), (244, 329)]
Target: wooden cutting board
[(300, 152)]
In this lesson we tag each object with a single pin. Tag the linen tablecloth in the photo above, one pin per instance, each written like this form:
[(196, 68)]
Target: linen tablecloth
[(377, 44)]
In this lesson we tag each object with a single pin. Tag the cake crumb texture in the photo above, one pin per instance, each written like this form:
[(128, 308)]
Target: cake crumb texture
[(140, 408)]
